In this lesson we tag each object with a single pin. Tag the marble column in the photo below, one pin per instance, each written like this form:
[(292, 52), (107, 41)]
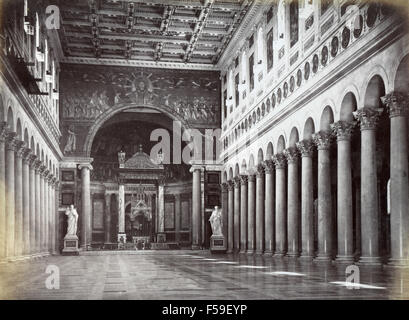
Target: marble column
[(50, 213), (293, 207), (178, 214), (269, 221), (196, 206), (243, 213), (236, 231), (306, 148), (161, 207), (108, 218), (45, 210), (86, 231), (121, 210), (322, 140), (38, 171), (3, 135), (32, 196), (18, 245), (260, 209), (10, 193), (26, 201), (343, 131), (230, 218), (225, 203), (281, 206), (53, 214), (42, 209), (368, 119), (397, 105), (251, 213)]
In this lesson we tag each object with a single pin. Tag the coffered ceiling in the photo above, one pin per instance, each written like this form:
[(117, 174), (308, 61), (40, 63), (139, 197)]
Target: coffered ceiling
[(176, 31)]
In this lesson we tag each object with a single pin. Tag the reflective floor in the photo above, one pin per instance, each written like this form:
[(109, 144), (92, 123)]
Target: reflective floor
[(194, 275)]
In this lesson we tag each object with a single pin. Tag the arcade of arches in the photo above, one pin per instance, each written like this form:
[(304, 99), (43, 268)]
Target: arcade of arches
[(314, 134)]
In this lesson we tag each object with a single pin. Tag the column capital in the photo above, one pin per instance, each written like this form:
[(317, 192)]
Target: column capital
[(224, 186), (251, 177), (20, 147), (269, 166), (26, 155), (243, 179), (260, 170), (230, 185), (37, 166), (3, 131), (31, 160), (397, 104), (322, 140), (45, 173), (368, 117), (236, 181), (291, 154), (279, 160), (306, 148), (343, 130), (11, 141), (55, 181), (85, 166)]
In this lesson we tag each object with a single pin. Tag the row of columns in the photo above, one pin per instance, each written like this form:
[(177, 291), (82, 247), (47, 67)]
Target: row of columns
[(27, 201), (267, 215)]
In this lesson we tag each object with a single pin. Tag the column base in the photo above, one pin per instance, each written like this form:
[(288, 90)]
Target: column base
[(324, 258), (251, 251), (306, 259), (345, 259), (268, 253), (242, 251), (279, 255), (398, 263), (306, 256), (259, 252), (293, 254), (195, 247), (370, 261)]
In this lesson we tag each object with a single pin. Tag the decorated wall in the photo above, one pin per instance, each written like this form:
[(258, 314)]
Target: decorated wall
[(87, 92)]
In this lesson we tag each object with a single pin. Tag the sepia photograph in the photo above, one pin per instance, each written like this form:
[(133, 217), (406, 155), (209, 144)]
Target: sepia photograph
[(204, 154)]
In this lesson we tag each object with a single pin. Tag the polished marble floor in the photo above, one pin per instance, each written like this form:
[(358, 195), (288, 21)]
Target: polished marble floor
[(194, 275)]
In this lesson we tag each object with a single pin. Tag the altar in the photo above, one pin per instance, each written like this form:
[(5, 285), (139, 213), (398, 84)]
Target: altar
[(140, 194)]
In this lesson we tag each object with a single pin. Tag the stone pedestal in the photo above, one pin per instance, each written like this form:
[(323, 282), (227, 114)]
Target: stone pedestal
[(218, 244), (70, 246)]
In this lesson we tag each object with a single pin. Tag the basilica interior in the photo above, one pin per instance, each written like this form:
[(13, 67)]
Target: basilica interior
[(293, 115)]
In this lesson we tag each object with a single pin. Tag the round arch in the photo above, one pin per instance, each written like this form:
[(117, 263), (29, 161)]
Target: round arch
[(309, 129), (99, 122)]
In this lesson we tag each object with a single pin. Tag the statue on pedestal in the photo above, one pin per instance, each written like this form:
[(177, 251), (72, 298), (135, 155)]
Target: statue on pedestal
[(216, 222), (72, 215), (217, 241), (71, 238)]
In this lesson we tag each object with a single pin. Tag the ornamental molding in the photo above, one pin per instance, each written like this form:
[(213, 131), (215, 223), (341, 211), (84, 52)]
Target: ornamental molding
[(140, 63)]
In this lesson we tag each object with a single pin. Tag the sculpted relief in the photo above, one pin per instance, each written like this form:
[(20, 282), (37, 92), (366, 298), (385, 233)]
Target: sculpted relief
[(89, 91)]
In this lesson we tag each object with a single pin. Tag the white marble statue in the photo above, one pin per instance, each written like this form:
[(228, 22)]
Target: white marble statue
[(216, 221), (72, 215)]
